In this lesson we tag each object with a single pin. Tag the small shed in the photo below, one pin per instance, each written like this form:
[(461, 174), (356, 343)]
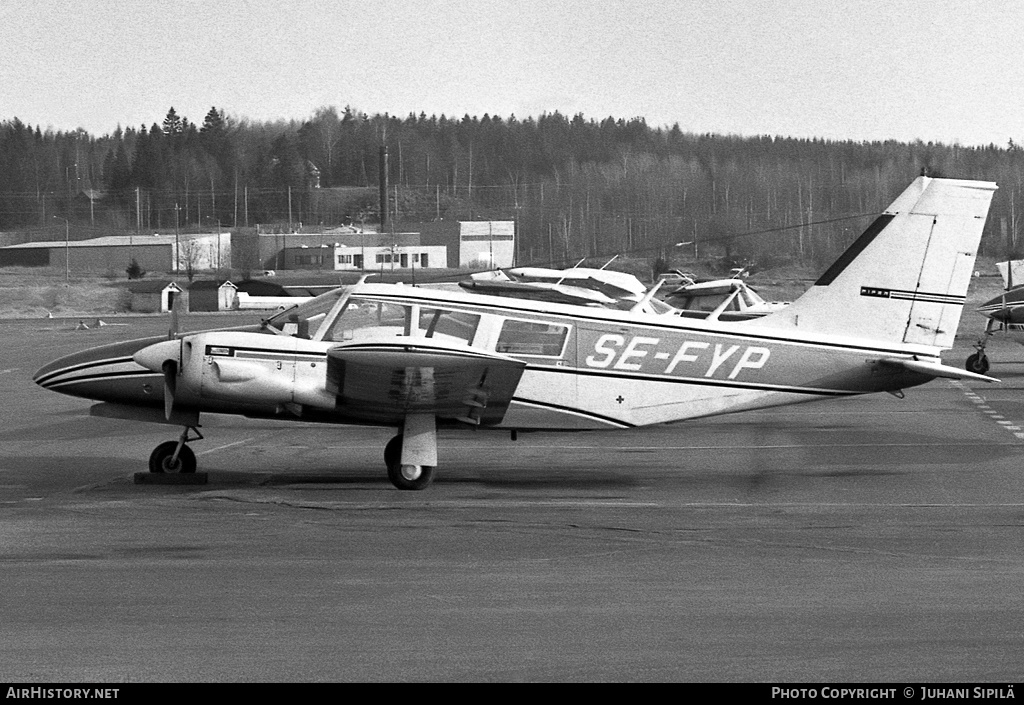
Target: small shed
[(156, 295), (212, 295)]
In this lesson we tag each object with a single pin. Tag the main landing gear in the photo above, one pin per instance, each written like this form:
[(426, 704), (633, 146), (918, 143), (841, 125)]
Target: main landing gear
[(410, 457), (175, 456), (406, 476)]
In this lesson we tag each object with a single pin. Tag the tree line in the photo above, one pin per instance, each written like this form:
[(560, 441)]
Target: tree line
[(576, 187)]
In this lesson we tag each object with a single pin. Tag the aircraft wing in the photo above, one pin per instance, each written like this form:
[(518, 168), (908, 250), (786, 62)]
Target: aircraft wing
[(387, 378)]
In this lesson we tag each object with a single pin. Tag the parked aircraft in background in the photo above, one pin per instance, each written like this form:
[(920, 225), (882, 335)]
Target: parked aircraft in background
[(582, 286), (721, 299), (418, 359), (1005, 313)]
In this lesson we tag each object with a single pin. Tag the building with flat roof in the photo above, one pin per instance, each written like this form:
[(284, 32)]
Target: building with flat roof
[(154, 253), (378, 256), (487, 244)]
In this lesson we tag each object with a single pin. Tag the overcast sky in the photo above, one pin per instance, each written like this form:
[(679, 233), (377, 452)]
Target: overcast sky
[(940, 70)]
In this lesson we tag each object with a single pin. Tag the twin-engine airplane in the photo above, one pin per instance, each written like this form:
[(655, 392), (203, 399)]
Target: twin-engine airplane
[(418, 359)]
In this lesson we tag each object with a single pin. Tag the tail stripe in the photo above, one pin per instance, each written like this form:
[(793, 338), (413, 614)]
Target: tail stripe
[(951, 299), (855, 249)]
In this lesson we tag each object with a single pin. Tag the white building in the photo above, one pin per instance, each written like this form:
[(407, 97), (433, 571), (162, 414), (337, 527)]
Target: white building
[(487, 244), (391, 257), (357, 257)]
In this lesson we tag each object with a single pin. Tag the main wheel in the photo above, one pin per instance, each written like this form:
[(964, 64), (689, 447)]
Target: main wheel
[(978, 363), (405, 477), (160, 458)]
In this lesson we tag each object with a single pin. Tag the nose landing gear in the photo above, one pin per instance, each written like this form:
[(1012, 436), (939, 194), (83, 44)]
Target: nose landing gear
[(978, 362), (175, 456)]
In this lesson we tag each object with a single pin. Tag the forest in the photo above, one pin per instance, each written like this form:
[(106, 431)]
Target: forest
[(577, 187)]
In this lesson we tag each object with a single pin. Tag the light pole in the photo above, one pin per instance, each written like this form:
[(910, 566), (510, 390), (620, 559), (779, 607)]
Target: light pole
[(175, 238), (67, 254)]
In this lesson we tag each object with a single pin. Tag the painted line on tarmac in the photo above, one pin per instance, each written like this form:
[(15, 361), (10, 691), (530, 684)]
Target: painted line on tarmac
[(979, 402), (226, 445), (727, 446)]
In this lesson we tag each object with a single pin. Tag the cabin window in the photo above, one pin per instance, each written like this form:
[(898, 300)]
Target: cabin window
[(532, 338), (361, 318), (440, 324)]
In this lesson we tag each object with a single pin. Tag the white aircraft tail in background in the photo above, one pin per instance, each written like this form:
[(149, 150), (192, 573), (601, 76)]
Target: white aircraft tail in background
[(905, 279)]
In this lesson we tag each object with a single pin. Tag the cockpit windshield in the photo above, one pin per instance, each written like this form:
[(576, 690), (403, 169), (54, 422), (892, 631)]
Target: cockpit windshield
[(333, 318), (362, 318), (302, 321)]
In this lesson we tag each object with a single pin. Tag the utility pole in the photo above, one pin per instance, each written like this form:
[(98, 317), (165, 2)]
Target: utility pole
[(67, 251), (383, 185), (138, 223), (175, 238)]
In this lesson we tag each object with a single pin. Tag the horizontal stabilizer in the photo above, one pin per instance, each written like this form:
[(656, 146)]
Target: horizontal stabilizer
[(936, 369)]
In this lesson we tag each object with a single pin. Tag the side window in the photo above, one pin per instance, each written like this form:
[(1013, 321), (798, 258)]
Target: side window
[(532, 338), (362, 318), (438, 323)]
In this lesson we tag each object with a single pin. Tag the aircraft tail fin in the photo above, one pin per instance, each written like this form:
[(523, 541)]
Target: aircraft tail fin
[(905, 279)]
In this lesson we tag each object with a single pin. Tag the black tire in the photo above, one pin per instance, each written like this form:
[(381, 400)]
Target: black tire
[(160, 459), (408, 477), (977, 363)]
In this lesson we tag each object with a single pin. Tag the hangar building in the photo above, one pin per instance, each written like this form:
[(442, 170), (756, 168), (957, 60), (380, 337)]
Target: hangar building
[(154, 253)]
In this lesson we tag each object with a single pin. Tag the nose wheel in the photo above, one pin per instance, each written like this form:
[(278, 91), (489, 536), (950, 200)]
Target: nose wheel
[(175, 456), (978, 362)]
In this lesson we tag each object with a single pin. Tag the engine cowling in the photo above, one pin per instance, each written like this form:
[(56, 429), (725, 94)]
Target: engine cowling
[(252, 369)]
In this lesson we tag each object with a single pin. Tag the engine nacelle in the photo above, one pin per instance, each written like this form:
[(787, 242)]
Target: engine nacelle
[(253, 369)]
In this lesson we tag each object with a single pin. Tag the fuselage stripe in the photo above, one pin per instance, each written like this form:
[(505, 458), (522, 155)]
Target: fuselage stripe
[(84, 366), (128, 374), (573, 411), (697, 381)]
